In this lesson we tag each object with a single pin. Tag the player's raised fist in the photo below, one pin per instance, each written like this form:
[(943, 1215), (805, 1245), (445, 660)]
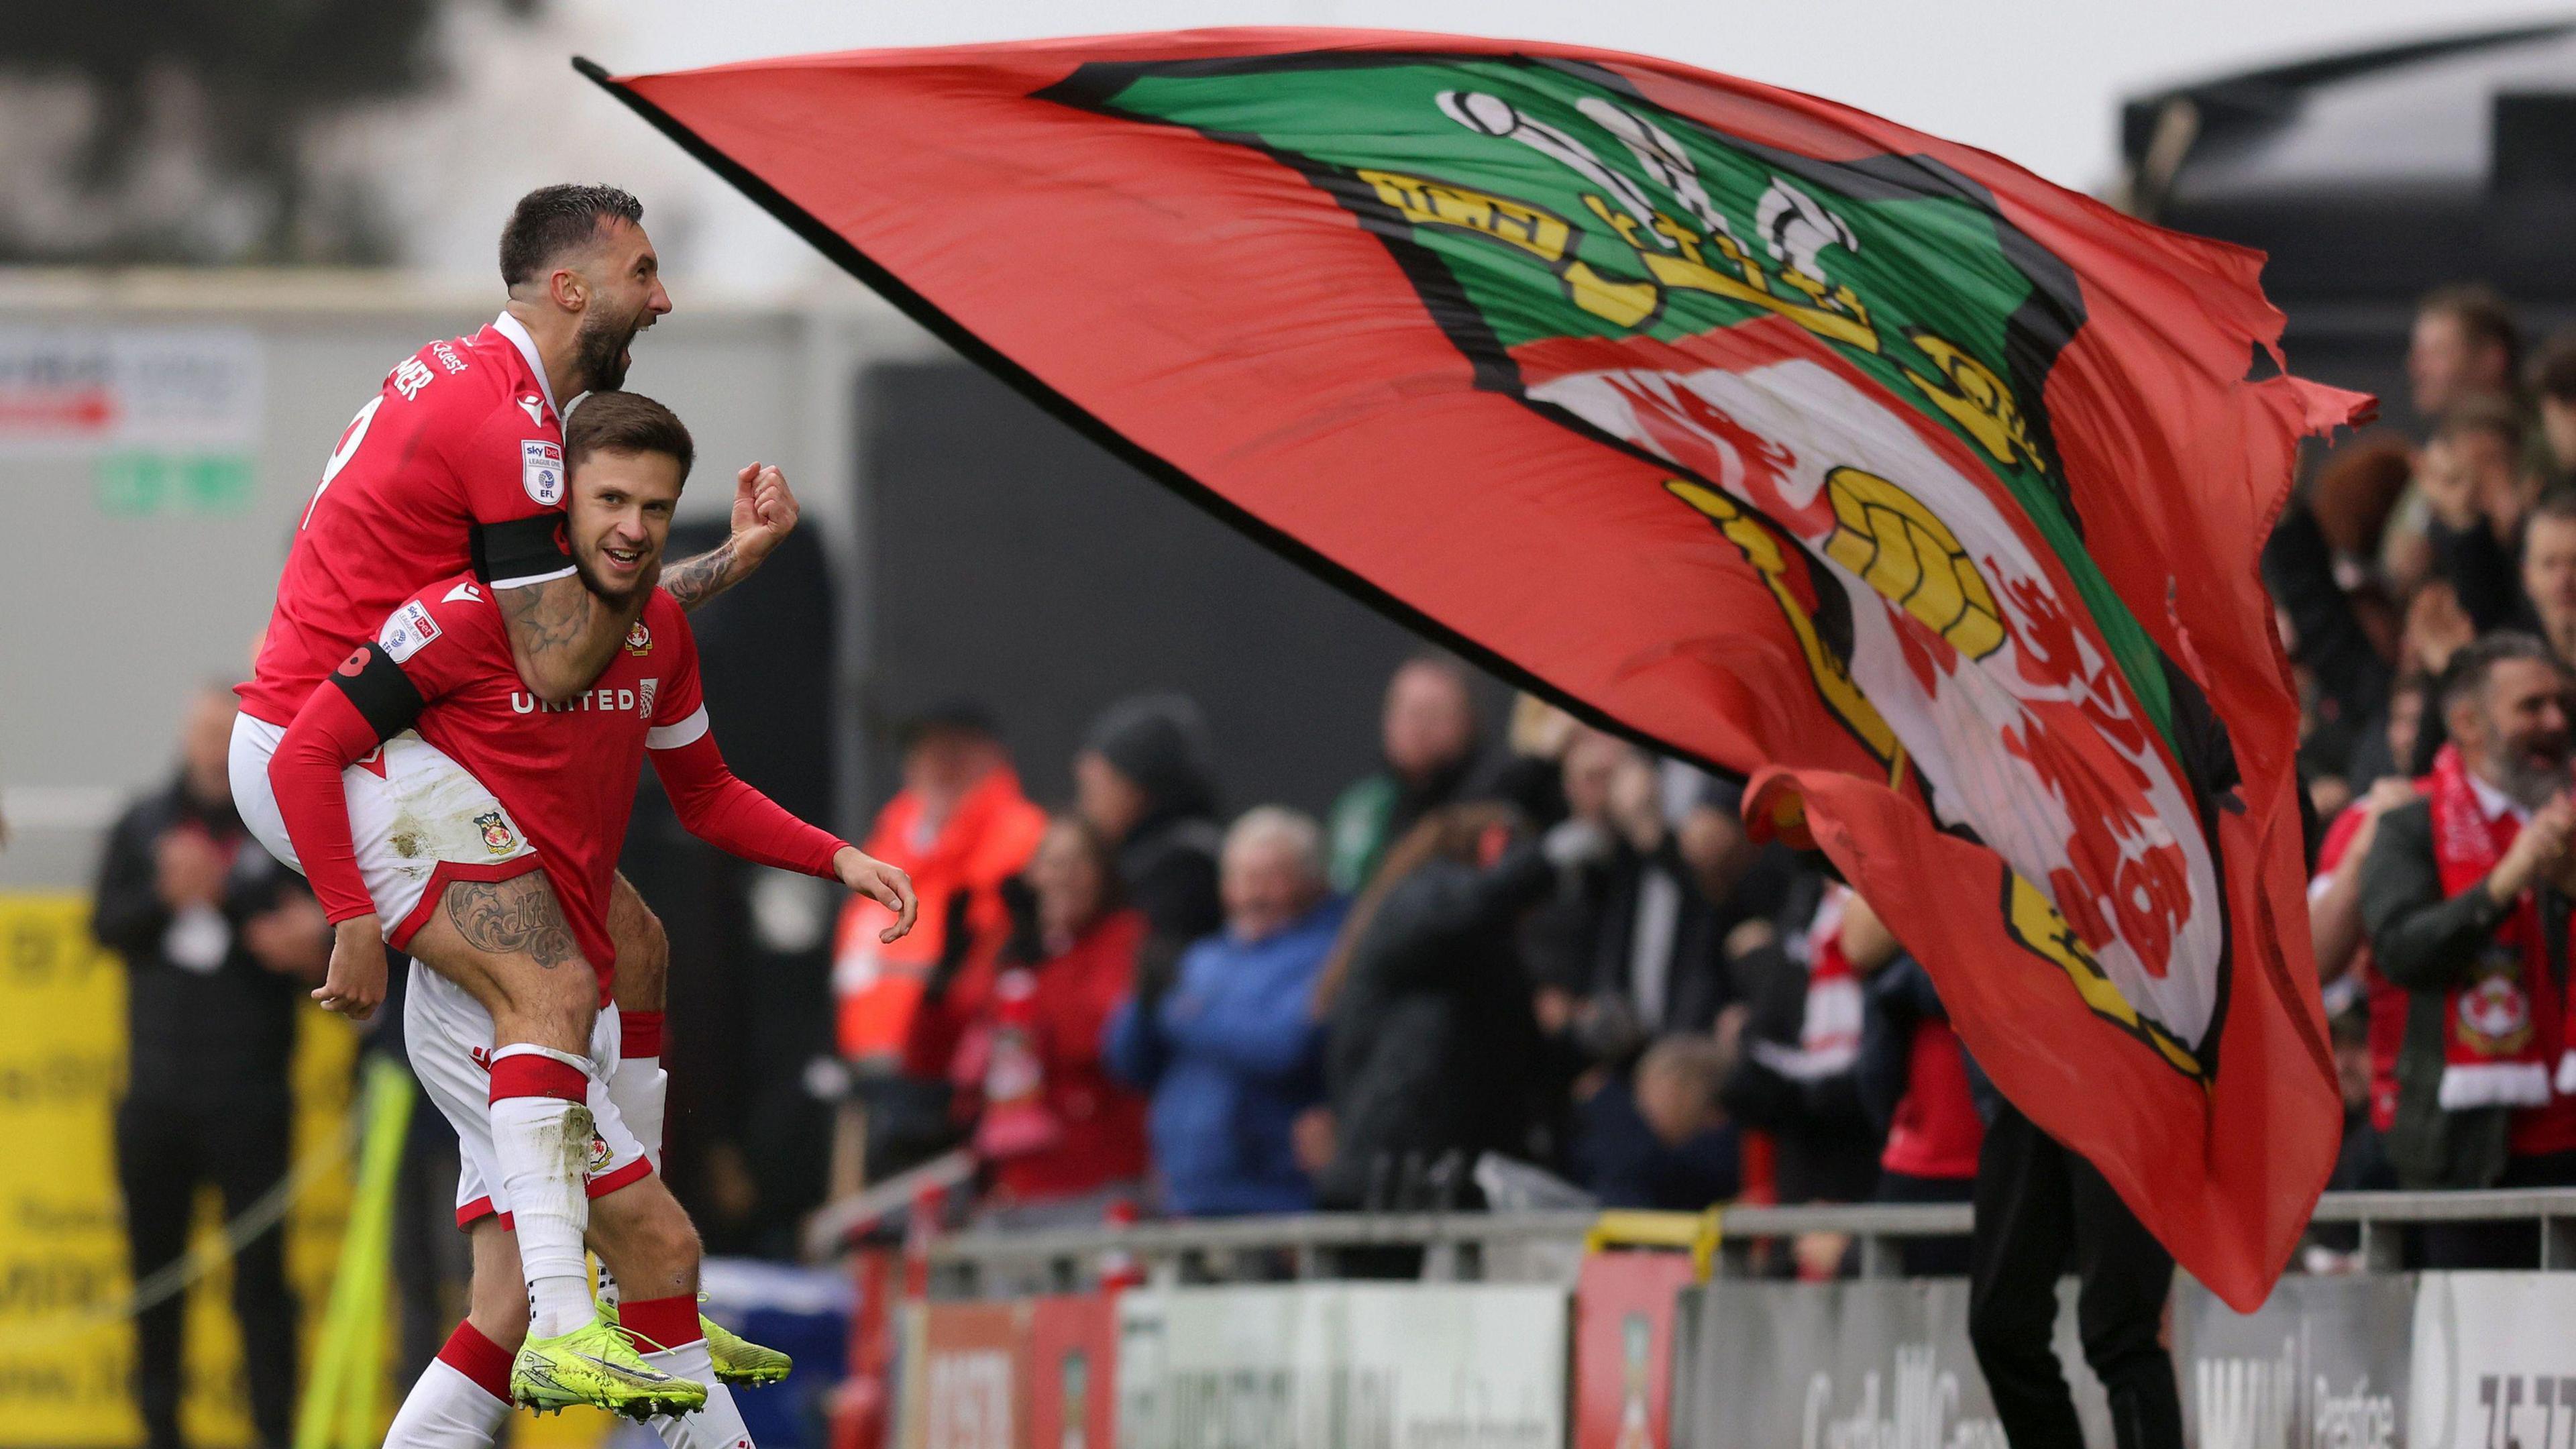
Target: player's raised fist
[(764, 511)]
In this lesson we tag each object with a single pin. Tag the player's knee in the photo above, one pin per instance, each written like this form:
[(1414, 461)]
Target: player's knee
[(672, 1239), (554, 1012)]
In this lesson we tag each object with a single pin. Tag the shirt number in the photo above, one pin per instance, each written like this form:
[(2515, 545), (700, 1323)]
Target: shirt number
[(341, 455)]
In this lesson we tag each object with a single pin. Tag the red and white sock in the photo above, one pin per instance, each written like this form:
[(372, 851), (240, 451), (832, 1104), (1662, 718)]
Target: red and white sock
[(462, 1399), (541, 1130), (666, 1333), (639, 1086)]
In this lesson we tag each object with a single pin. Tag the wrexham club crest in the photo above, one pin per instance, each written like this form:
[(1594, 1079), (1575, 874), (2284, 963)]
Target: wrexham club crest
[(1842, 366), (498, 837)]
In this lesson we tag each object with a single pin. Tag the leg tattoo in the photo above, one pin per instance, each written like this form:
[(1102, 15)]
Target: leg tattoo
[(519, 914)]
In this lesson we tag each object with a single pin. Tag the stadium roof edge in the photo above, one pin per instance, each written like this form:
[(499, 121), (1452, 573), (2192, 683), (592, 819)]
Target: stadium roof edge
[(360, 291), (2266, 94)]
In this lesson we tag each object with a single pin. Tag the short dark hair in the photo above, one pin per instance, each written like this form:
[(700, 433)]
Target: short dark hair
[(950, 718), (2482, 313), (2553, 370), (552, 220), (2557, 505), (2475, 662), (626, 422), (2483, 412)]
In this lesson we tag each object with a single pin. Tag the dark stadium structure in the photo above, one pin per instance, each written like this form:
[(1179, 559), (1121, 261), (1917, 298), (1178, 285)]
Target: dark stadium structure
[(2373, 175)]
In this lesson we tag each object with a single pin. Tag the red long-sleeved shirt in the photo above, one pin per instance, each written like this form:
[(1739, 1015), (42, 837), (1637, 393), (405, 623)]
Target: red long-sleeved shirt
[(565, 774)]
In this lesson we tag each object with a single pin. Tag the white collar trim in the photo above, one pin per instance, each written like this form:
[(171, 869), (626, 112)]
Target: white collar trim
[(2496, 804), (520, 338)]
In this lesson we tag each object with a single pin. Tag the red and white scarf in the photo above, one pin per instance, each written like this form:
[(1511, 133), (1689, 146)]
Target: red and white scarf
[(2494, 1052)]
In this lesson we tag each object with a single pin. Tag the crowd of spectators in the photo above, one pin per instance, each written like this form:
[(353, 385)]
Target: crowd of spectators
[(1540, 943), (2426, 588), (1536, 943)]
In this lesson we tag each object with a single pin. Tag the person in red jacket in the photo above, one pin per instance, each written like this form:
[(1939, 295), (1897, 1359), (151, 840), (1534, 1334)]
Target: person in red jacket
[(1017, 1032)]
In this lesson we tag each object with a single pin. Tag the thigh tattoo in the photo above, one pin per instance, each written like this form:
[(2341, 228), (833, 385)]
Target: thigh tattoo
[(518, 914)]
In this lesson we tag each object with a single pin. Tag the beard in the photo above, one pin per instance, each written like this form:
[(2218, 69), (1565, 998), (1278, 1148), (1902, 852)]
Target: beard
[(2535, 772), (600, 349), (585, 568)]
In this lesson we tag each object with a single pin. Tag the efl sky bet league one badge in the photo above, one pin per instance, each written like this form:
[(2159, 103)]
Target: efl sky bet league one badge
[(403, 635), (541, 471), (639, 640), (498, 837)]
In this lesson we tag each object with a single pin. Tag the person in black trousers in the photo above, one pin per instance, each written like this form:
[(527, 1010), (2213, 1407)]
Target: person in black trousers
[(220, 943), (2041, 1210)]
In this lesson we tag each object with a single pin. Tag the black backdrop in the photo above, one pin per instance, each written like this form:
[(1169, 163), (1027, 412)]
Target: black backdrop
[(1016, 563)]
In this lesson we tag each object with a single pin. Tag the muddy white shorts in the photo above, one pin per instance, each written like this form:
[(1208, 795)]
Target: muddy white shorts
[(419, 821), (449, 1039)]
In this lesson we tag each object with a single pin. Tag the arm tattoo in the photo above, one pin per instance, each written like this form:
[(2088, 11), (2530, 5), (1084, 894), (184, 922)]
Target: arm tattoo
[(561, 635), (508, 917), (694, 581), (545, 618)]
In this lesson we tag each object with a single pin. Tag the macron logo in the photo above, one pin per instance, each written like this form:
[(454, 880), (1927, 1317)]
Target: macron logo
[(535, 409), (463, 591)]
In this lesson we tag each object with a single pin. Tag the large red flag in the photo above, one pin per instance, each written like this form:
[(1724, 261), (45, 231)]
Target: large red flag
[(1922, 492)]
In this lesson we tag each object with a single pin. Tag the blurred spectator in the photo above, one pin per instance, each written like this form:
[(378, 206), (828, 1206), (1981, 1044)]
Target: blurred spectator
[(961, 826), (2361, 1164), (2334, 894), (1228, 1046), (1630, 935), (220, 944), (2339, 630), (2553, 391), (2549, 573), (1659, 1139), (1427, 736), (1531, 773), (1017, 1033), (2473, 481), (1144, 780), (1797, 1078), (1433, 1057), (2355, 493), (2465, 899), (2463, 342), (1913, 1079)]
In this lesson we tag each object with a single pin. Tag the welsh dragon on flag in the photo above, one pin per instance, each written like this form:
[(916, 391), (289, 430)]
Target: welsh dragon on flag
[(1922, 493)]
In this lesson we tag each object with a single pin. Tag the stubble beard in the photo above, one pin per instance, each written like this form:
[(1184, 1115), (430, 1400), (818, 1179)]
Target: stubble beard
[(600, 348)]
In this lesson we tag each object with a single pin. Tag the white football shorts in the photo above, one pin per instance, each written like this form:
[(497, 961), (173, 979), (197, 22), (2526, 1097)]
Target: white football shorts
[(419, 821)]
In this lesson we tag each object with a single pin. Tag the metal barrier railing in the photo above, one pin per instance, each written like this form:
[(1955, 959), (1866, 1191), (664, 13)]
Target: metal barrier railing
[(1460, 1245)]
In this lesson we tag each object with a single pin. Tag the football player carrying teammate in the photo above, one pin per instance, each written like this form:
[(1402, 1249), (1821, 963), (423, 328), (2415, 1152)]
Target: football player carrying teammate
[(457, 462), (440, 674)]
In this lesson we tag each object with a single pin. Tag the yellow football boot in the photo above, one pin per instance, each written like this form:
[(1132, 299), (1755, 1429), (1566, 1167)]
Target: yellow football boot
[(596, 1365)]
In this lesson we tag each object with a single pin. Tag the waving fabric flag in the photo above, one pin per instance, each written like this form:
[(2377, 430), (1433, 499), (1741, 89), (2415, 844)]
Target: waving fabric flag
[(1919, 491)]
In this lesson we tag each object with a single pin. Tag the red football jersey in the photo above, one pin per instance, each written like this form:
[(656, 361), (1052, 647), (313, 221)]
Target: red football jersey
[(566, 773), (457, 461)]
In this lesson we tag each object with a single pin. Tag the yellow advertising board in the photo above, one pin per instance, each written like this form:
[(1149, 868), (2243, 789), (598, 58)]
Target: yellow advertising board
[(66, 1337)]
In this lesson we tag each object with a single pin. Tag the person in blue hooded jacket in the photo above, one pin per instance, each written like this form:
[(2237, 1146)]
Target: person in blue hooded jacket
[(1229, 1045)]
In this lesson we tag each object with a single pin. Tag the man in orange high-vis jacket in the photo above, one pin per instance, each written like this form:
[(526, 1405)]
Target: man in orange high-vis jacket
[(960, 826)]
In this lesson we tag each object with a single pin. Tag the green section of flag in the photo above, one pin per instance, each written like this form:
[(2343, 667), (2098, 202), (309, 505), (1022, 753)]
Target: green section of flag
[(1518, 178), (137, 485)]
